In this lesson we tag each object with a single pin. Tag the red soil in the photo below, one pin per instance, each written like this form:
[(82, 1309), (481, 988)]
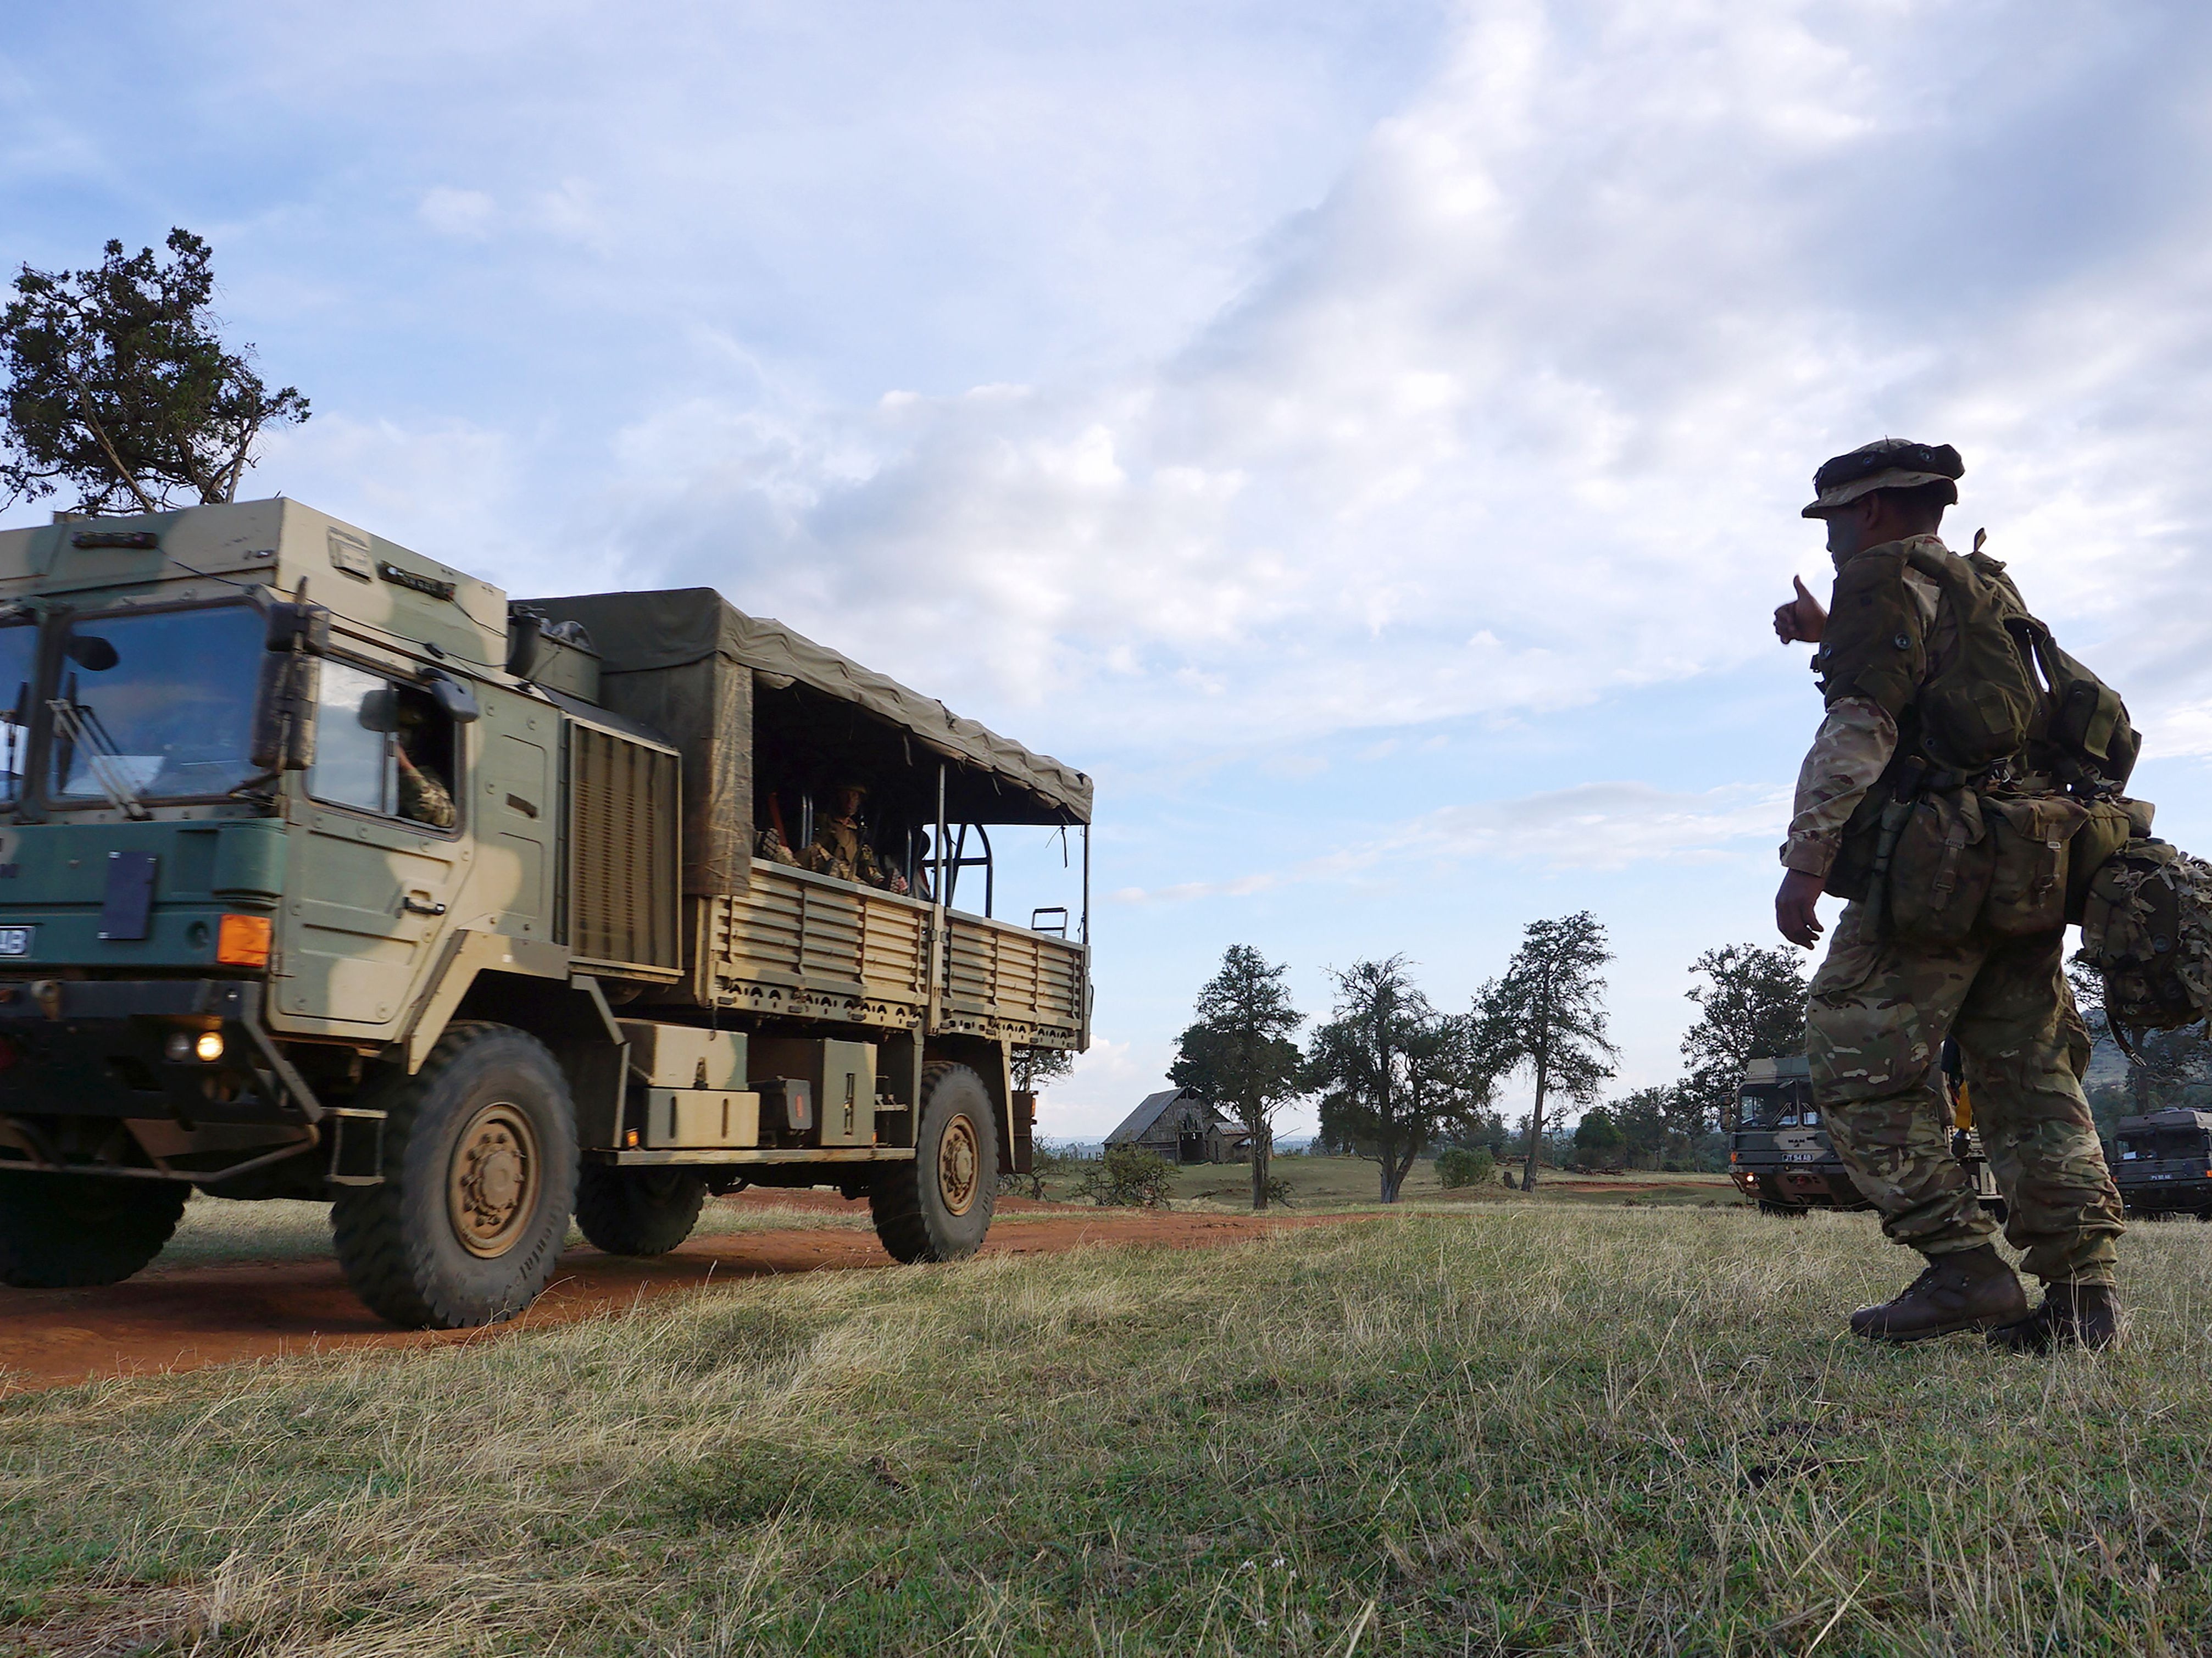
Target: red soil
[(190, 1316)]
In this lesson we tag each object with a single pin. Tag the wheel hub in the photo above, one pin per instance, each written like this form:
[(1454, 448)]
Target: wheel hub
[(492, 1186), (958, 1165)]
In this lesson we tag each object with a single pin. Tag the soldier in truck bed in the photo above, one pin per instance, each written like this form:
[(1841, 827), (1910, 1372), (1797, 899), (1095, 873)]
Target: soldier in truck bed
[(841, 845), (1913, 656)]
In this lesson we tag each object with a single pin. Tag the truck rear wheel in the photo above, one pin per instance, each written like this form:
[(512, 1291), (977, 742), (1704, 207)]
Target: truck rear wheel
[(479, 1178), (77, 1231), (938, 1206), (638, 1212)]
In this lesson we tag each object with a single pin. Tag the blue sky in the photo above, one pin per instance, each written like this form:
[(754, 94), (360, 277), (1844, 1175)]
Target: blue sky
[(1368, 439)]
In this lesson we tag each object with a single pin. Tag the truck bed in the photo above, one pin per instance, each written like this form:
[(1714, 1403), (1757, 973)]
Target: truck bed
[(804, 946)]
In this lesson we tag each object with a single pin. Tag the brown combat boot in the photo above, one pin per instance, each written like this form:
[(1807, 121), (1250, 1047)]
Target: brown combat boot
[(1967, 1289), (2072, 1315)]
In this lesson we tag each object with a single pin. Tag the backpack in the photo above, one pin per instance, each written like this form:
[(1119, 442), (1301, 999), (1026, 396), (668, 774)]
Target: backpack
[(2074, 728), (2146, 929)]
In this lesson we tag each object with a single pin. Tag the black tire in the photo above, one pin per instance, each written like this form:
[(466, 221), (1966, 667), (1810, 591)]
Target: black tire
[(479, 1180), (77, 1231), (938, 1206), (638, 1212)]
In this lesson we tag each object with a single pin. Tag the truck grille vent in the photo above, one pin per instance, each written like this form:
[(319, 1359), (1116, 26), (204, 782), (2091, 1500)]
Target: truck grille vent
[(622, 867)]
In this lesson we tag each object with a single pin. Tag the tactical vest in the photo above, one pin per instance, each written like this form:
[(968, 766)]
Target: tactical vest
[(1968, 820)]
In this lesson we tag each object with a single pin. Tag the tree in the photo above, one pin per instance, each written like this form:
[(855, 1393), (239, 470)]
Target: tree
[(1239, 1054), (1547, 1015), (1394, 1074), (1035, 1067), (1597, 1136), (119, 387), (1752, 1006), (1645, 1119)]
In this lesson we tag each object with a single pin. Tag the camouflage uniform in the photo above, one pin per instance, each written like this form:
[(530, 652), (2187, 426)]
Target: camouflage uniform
[(1880, 1011), (422, 797), (770, 846), (1881, 1007), (839, 851)]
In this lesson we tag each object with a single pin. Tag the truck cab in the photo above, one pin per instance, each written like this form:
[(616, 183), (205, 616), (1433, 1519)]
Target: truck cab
[(2162, 1163), (1781, 1157), (328, 871)]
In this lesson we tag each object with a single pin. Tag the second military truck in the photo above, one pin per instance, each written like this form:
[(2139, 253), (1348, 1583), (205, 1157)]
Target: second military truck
[(328, 873), (1781, 1157)]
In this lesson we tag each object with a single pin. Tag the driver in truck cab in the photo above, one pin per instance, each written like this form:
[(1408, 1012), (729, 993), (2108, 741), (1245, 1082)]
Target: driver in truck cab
[(425, 796)]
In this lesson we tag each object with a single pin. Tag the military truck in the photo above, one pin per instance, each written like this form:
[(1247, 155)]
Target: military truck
[(2162, 1163), (327, 871), (1780, 1155)]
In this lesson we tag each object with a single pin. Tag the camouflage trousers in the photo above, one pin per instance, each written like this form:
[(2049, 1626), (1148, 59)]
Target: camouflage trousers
[(1880, 1009)]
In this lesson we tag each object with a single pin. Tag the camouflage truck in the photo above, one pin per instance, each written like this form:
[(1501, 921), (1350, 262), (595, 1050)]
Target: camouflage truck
[(326, 871), (1780, 1155), (2162, 1163)]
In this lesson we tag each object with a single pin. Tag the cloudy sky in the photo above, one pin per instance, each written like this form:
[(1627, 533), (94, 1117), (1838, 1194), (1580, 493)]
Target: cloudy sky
[(1368, 439)]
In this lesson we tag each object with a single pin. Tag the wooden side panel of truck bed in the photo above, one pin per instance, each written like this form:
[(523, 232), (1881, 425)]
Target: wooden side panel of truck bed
[(804, 946)]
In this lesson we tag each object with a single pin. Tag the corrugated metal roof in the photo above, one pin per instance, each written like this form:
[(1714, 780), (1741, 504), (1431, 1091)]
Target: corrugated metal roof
[(1153, 1106)]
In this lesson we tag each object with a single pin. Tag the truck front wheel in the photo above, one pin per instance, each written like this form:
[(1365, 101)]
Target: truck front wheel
[(75, 1231), (479, 1178), (638, 1212), (938, 1206)]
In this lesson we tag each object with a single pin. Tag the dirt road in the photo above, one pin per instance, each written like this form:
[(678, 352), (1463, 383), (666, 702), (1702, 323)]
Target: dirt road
[(186, 1317)]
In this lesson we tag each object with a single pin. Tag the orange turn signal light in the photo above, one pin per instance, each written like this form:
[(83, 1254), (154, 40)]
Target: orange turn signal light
[(243, 941)]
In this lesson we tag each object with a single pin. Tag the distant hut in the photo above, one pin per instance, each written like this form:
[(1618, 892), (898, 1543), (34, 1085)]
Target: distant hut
[(1178, 1125)]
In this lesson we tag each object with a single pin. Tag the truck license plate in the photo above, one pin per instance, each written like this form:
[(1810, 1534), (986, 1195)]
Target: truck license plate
[(1800, 1156), (17, 940)]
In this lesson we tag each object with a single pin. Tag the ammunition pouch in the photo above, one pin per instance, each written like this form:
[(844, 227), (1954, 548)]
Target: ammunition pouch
[(2112, 822), (2031, 840), (1940, 867)]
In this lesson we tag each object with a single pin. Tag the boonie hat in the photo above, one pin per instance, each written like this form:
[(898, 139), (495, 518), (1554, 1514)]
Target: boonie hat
[(1884, 464)]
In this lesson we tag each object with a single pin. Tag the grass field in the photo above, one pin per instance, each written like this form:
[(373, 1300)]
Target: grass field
[(1510, 1428), (1341, 1183)]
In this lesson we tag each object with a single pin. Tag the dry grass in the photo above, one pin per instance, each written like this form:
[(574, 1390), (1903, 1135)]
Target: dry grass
[(216, 1230), (1350, 1184), (1512, 1429)]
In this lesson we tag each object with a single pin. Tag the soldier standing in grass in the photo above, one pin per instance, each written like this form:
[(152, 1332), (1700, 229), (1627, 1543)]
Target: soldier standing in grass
[(1917, 791)]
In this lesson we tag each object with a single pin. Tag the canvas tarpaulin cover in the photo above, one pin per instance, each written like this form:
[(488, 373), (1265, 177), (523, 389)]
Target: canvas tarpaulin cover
[(683, 662)]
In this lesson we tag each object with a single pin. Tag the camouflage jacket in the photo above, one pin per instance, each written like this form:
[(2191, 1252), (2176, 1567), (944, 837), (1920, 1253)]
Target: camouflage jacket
[(839, 851), (1852, 747)]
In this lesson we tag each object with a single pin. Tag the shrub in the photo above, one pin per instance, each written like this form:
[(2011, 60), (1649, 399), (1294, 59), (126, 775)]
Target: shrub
[(1128, 1176), (1457, 1166)]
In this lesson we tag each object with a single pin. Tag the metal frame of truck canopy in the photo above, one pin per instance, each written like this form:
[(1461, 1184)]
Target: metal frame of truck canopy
[(689, 665)]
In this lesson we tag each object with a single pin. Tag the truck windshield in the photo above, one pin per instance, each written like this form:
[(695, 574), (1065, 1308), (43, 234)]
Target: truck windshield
[(155, 706), (19, 665), (1765, 1107), (2159, 1144)]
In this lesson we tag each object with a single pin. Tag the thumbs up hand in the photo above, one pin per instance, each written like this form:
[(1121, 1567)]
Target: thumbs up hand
[(1802, 618)]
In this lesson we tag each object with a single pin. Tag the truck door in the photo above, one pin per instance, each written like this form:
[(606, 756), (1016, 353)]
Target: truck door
[(375, 854)]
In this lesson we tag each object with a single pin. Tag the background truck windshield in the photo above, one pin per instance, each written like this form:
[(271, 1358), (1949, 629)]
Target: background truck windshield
[(2159, 1144), (155, 706), (1765, 1107)]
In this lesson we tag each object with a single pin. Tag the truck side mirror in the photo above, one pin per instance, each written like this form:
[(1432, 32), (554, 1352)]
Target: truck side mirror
[(456, 701), (298, 627), (284, 712), (91, 651)]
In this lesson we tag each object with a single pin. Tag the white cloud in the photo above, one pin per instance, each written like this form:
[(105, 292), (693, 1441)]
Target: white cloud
[(1592, 826), (465, 214), (1516, 418)]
